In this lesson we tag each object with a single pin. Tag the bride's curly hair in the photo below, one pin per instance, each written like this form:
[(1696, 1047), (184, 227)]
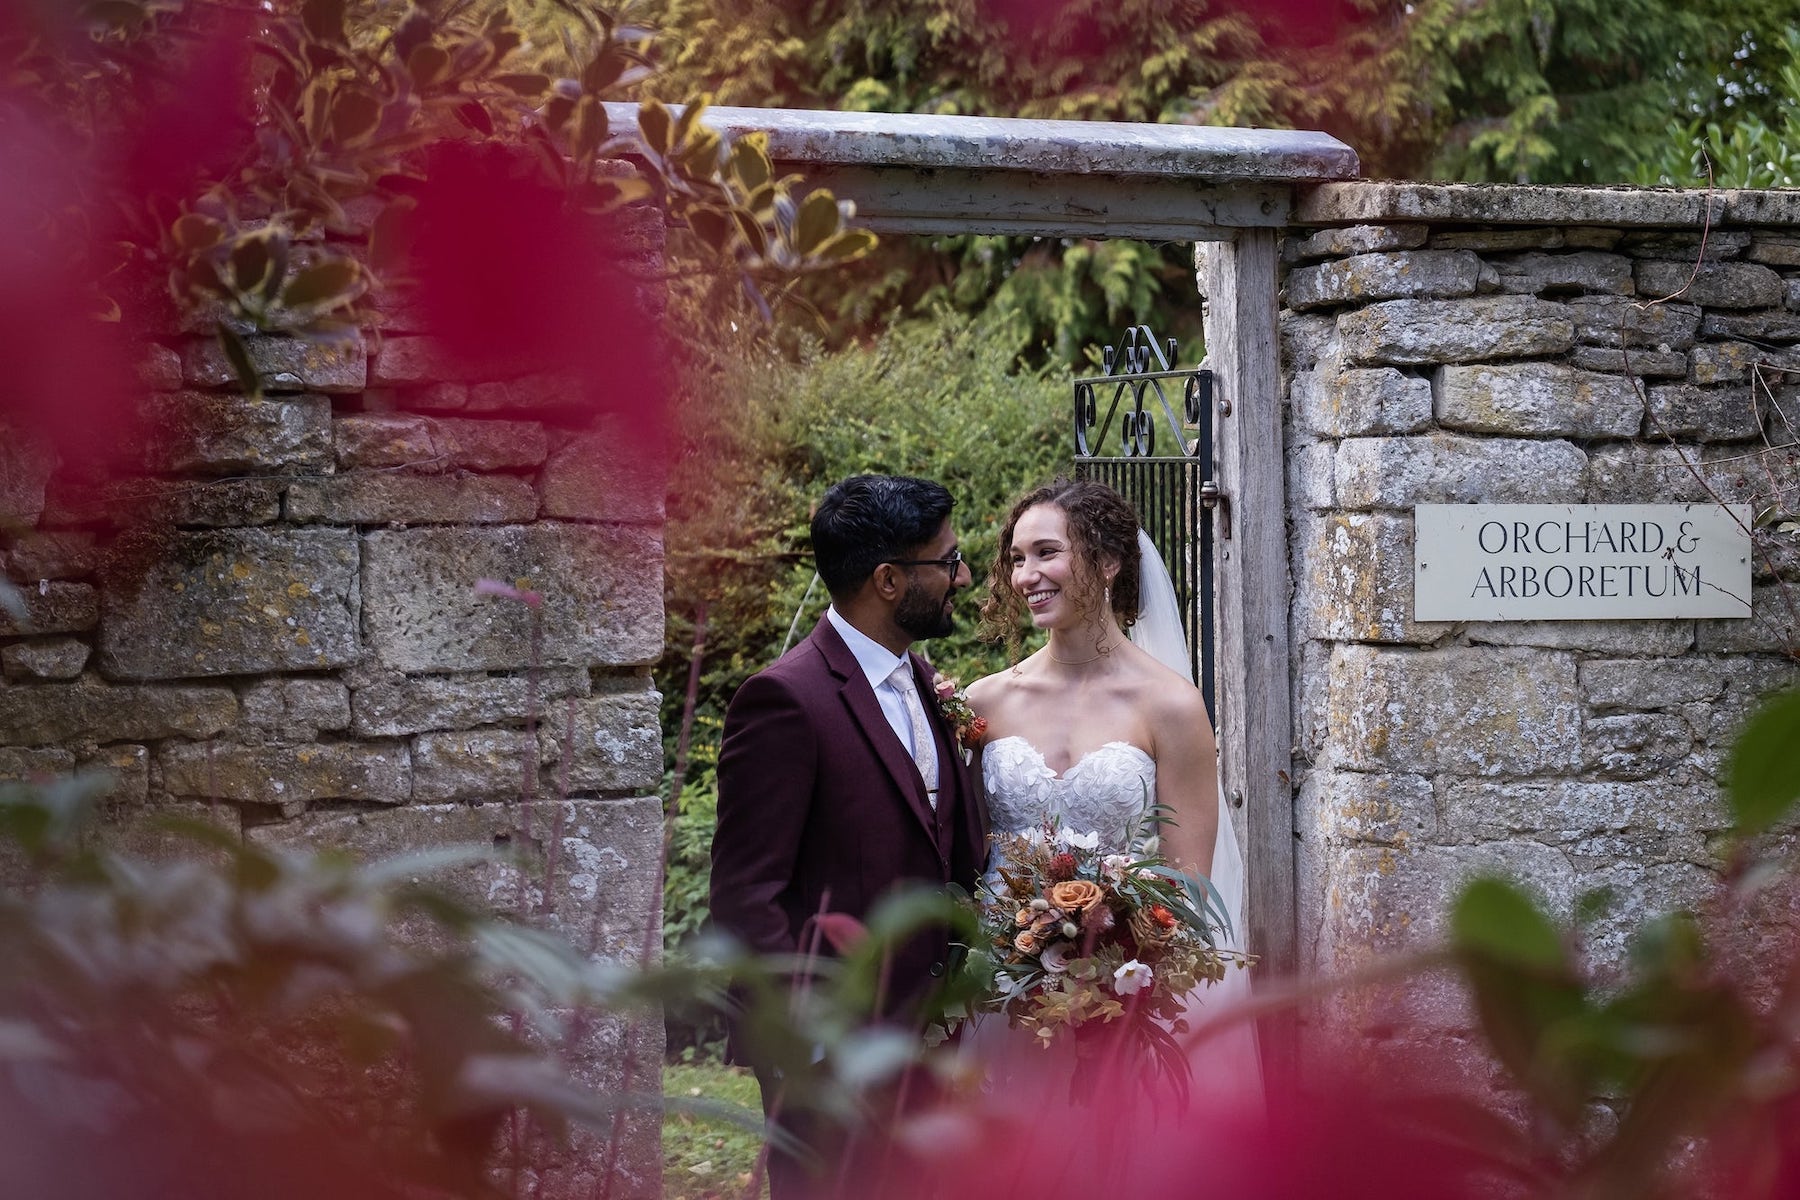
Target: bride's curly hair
[(1102, 524)]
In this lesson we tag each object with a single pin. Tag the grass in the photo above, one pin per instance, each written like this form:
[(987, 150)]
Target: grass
[(705, 1158)]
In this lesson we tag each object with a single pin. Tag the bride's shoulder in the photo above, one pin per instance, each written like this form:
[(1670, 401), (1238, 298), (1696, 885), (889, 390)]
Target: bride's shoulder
[(991, 690)]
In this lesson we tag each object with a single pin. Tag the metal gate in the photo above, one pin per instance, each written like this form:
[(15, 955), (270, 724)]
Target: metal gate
[(1173, 492)]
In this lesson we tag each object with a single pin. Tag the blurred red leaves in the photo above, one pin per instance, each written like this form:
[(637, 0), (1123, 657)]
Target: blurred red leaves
[(514, 280)]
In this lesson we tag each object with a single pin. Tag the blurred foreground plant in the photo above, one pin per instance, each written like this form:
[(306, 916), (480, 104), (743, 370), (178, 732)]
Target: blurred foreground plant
[(251, 1021)]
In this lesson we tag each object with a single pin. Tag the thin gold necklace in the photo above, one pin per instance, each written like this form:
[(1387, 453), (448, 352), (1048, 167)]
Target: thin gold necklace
[(1076, 662)]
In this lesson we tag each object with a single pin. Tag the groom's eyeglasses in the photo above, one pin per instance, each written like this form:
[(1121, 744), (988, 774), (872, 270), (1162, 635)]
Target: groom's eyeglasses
[(953, 564)]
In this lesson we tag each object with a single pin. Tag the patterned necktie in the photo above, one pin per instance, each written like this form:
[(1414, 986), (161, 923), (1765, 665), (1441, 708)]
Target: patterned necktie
[(924, 749)]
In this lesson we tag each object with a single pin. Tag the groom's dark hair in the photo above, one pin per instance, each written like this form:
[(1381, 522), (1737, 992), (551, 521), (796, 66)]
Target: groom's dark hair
[(867, 520)]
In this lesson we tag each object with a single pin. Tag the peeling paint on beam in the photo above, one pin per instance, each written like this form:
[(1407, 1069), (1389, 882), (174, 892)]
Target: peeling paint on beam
[(1006, 144)]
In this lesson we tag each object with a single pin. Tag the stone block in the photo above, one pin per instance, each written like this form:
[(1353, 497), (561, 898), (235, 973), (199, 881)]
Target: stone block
[(142, 833), (221, 504), (1592, 637), (1769, 326), (1307, 341), (287, 777), (1790, 297), (1561, 810), (485, 766), (1355, 580), (1361, 402), (388, 498), (1686, 245), (589, 865), (1491, 240), (1715, 285), (53, 607), (1774, 249), (1379, 901), (1585, 271), (236, 602), (25, 467), (1428, 332), (285, 364), (29, 766), (599, 477), (296, 709), (45, 658), (1635, 745), (1382, 810), (1760, 476), (530, 393), (1657, 364), (1644, 474), (1309, 476), (1633, 683), (34, 556), (1612, 321), (1639, 893), (617, 745), (1384, 276), (1459, 710), (210, 504), (159, 369), (216, 434), (91, 711), (602, 590), (390, 704), (1361, 239), (1536, 398), (403, 361), (1447, 469), (1707, 414), (424, 443), (1771, 628), (1733, 362), (1591, 237)]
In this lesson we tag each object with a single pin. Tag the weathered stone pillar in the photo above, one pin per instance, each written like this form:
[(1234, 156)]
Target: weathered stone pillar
[(275, 627)]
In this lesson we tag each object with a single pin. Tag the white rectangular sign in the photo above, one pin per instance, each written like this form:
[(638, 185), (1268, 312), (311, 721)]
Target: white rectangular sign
[(1580, 562)]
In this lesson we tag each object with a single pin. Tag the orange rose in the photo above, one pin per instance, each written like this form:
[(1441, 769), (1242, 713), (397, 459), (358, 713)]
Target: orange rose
[(1025, 943), (1073, 895)]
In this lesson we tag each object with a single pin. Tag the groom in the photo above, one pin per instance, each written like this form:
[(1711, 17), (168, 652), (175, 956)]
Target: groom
[(839, 779)]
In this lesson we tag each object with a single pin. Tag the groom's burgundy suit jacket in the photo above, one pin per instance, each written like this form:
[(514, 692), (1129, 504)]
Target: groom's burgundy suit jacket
[(821, 808)]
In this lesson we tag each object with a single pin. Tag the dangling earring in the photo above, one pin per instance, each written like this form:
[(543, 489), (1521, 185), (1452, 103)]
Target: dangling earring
[(1107, 599)]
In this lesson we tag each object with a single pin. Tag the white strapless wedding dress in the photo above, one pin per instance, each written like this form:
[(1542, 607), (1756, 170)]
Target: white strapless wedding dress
[(1109, 791)]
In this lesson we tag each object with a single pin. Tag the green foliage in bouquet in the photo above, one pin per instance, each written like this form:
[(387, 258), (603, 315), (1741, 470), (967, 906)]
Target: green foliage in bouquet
[(1072, 938)]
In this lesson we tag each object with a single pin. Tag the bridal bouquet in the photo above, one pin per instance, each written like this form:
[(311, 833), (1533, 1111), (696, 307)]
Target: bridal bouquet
[(1079, 939)]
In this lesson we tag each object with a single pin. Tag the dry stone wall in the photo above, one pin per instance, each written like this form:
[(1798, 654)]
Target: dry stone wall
[(1522, 345), (273, 626)]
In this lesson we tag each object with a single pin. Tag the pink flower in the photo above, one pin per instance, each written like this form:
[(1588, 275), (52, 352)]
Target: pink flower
[(944, 686)]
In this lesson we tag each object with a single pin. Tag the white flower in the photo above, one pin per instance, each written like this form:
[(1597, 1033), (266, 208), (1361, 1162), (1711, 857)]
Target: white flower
[(1077, 841), (1113, 866), (1055, 958), (1131, 978)]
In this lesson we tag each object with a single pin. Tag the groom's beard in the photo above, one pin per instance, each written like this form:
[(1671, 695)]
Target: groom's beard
[(923, 615)]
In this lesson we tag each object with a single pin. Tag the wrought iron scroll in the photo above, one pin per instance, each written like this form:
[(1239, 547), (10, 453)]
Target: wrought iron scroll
[(1138, 371), (1173, 493)]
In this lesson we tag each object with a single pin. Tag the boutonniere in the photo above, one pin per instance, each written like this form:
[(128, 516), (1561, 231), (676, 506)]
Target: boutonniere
[(953, 703)]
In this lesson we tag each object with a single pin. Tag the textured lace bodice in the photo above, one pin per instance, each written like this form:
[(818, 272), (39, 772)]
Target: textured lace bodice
[(1109, 790)]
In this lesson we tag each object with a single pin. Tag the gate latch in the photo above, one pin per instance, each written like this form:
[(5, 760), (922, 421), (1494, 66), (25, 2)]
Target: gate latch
[(1212, 497)]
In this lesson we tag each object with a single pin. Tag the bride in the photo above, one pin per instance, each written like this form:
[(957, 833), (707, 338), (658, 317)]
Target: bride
[(1095, 726)]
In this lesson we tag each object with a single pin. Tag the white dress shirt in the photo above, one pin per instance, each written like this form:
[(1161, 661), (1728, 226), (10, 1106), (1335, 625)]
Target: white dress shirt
[(878, 662)]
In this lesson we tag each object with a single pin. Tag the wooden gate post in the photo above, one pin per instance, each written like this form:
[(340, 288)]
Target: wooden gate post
[(1238, 278)]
